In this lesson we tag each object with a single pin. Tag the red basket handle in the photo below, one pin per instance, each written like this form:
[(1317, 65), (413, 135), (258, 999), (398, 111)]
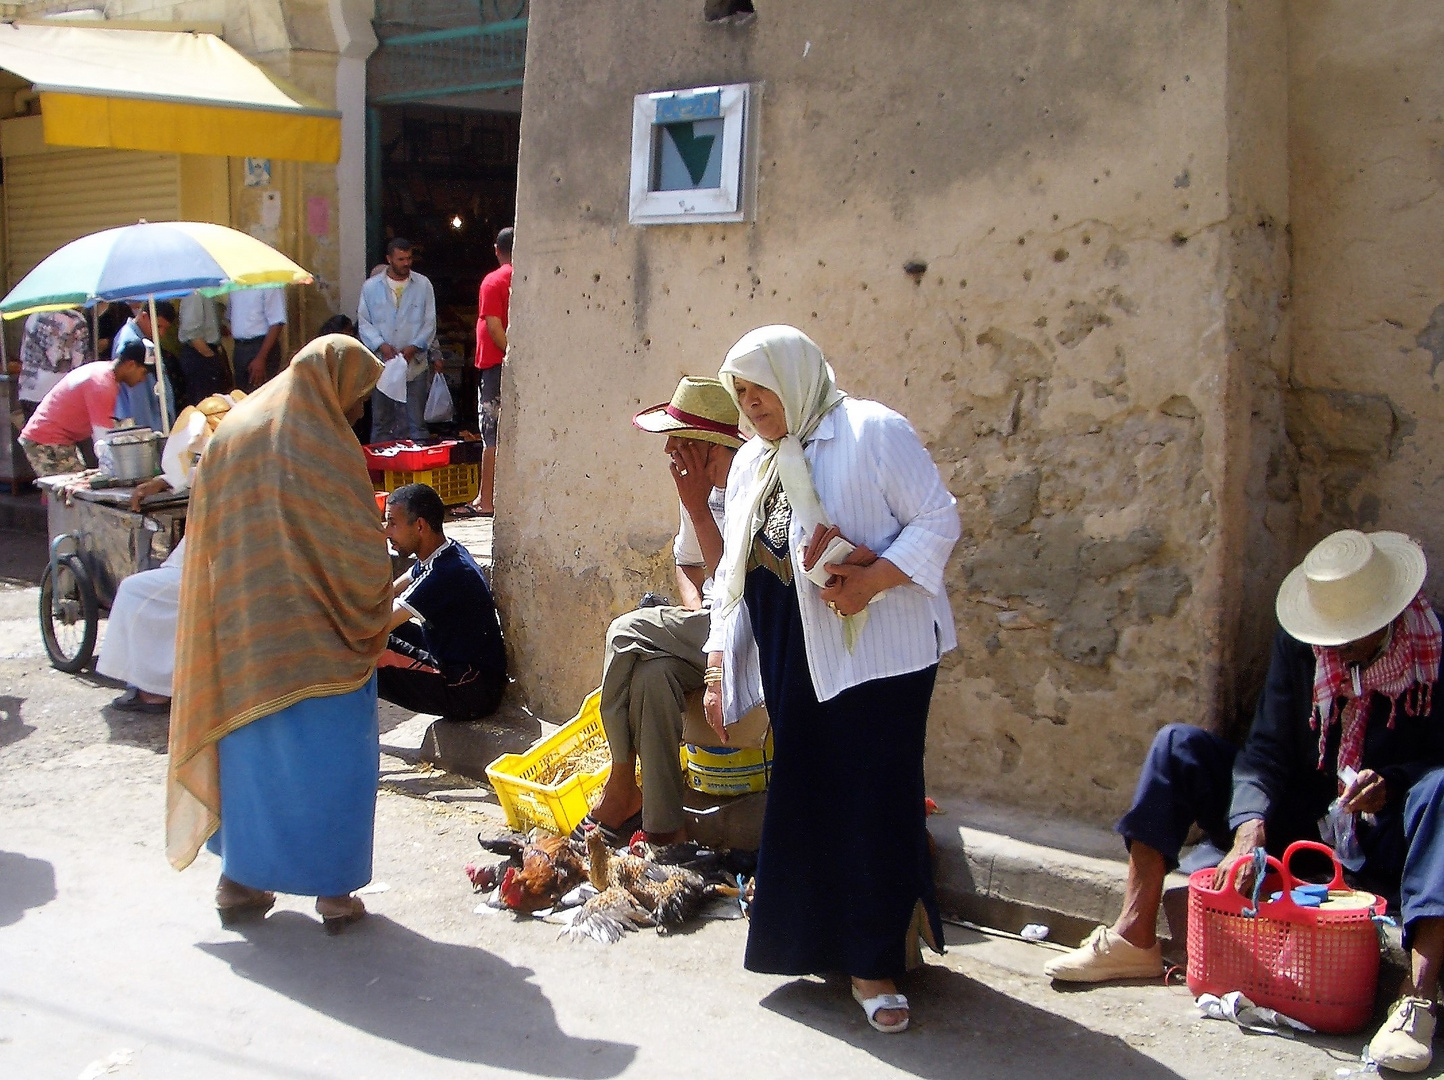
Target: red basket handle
[(1228, 898), (1291, 883)]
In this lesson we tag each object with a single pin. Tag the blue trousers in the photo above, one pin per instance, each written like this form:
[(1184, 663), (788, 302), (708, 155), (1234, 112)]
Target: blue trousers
[(1187, 779)]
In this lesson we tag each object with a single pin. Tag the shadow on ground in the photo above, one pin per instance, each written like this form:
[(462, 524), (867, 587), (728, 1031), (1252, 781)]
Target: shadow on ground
[(23, 556), (452, 1001), (24, 883), (963, 1028), (12, 728), (149, 731)]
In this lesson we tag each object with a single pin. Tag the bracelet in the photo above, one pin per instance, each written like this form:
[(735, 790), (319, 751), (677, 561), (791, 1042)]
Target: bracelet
[(712, 676)]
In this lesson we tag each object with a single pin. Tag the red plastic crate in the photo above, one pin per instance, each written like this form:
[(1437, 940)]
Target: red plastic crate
[(412, 459)]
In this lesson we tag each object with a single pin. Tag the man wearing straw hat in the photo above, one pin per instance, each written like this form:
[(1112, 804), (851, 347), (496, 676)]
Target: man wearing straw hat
[(1348, 713), (654, 654)]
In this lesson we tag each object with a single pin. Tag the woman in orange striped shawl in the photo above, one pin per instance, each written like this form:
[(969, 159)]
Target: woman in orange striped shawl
[(284, 606)]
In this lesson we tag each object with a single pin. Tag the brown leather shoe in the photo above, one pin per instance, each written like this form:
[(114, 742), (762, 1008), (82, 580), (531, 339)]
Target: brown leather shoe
[(237, 903), (339, 912)]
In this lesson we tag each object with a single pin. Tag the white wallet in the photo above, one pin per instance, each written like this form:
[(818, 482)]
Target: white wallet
[(836, 552)]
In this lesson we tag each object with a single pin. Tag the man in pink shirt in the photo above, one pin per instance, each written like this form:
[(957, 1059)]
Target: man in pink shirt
[(80, 406)]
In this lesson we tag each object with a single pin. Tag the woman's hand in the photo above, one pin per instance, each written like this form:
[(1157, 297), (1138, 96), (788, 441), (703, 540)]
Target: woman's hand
[(858, 579), (712, 698)]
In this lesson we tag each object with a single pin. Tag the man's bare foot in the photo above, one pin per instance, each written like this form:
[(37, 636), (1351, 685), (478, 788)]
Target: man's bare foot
[(621, 798), (483, 510), (871, 988)]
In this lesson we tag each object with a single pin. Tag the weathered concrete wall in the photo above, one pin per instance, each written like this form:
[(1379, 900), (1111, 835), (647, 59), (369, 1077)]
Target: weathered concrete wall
[(1102, 220), (1366, 151)]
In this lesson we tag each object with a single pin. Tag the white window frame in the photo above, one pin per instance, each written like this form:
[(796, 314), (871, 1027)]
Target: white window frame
[(727, 202)]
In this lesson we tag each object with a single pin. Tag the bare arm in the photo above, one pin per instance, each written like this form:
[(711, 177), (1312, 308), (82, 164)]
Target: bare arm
[(399, 615), (496, 331), (258, 365), (689, 473), (689, 586)]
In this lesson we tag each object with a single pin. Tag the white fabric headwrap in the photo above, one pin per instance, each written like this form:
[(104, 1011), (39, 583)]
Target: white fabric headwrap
[(788, 362)]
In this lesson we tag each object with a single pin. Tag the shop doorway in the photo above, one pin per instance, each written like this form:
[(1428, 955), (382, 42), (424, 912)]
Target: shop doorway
[(446, 181)]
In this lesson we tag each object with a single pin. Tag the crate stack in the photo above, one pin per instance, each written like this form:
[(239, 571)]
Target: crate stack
[(395, 464)]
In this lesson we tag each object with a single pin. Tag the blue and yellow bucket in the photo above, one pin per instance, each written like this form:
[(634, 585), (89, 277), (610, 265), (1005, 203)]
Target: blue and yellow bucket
[(721, 770)]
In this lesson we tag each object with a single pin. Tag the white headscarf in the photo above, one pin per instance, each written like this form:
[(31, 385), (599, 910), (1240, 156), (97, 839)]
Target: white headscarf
[(788, 362)]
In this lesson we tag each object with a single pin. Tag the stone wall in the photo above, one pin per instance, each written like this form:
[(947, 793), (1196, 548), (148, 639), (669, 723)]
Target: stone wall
[(1366, 153), (1102, 214)]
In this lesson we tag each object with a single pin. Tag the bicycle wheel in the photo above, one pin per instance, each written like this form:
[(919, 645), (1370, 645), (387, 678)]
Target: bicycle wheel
[(69, 614)]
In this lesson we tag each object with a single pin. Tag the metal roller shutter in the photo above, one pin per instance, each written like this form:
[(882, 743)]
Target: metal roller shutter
[(55, 197)]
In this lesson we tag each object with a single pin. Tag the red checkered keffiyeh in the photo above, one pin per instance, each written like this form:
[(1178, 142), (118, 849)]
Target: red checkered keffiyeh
[(1406, 671)]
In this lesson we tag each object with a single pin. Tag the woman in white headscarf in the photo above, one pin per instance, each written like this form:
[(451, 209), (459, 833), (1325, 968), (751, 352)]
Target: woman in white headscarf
[(831, 602)]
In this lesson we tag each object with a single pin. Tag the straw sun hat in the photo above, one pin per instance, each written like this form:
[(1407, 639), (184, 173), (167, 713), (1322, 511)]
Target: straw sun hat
[(699, 409), (1349, 586)]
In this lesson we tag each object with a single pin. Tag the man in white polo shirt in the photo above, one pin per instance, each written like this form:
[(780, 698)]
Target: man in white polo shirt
[(256, 318)]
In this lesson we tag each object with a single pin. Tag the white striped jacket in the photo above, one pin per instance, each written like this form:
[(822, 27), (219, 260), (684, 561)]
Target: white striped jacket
[(879, 484)]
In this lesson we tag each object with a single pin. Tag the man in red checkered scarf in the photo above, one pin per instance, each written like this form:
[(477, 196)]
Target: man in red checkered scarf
[(1348, 714)]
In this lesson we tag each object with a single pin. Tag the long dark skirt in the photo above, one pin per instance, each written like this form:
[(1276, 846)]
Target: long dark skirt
[(844, 858)]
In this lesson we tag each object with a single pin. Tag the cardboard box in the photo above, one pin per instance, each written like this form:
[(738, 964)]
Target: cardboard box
[(749, 733)]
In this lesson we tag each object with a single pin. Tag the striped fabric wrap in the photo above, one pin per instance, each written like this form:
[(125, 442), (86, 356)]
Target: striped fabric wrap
[(286, 591)]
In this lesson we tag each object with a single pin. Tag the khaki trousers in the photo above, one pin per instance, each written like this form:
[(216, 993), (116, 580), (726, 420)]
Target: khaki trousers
[(654, 658)]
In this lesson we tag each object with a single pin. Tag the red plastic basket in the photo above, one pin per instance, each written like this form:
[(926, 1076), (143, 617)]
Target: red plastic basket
[(1316, 966), (412, 459)]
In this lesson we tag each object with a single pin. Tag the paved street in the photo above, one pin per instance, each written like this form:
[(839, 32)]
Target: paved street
[(112, 964)]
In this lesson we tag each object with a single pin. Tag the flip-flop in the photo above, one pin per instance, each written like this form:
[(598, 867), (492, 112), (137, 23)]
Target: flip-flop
[(618, 837), (874, 1005), (465, 510)]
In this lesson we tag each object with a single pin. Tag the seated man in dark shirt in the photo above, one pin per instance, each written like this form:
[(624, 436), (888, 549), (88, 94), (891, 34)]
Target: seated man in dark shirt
[(1350, 710), (452, 663)]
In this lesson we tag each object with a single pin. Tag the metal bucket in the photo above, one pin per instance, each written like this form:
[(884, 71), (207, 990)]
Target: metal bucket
[(135, 455)]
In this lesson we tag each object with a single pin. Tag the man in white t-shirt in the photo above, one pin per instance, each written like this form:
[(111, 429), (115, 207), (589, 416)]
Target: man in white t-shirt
[(654, 654)]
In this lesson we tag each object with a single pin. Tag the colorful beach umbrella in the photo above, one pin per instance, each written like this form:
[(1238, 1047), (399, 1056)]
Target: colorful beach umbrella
[(150, 261)]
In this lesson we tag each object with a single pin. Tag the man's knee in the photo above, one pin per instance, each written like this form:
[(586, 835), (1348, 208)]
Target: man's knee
[(1424, 795), (1175, 741), (626, 627)]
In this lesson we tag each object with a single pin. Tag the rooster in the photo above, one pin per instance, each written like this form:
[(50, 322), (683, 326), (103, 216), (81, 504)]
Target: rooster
[(541, 871), (632, 892)]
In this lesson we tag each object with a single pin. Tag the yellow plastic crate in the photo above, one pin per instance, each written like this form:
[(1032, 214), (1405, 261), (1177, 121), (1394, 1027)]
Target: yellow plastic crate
[(456, 484), (558, 807)]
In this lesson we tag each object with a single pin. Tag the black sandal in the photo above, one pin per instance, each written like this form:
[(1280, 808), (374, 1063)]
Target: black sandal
[(621, 836)]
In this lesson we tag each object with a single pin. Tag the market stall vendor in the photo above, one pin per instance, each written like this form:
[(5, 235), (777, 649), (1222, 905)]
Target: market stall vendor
[(1350, 714), (139, 646), (451, 661), (77, 409)]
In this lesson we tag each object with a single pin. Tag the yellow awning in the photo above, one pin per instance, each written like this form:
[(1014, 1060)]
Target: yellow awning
[(169, 92)]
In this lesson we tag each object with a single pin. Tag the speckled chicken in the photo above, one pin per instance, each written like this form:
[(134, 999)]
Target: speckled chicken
[(633, 892)]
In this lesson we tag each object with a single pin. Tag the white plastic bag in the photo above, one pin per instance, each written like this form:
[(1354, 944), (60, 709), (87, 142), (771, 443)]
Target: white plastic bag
[(393, 379), (439, 408)]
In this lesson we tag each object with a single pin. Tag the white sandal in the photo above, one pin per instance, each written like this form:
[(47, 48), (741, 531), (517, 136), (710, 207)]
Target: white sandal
[(874, 1005)]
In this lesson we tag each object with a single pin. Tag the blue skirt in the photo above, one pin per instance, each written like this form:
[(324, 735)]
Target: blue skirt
[(844, 860), (298, 797)]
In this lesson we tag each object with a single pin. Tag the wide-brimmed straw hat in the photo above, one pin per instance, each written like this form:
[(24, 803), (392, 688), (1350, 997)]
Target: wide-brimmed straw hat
[(699, 409), (1349, 586)]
